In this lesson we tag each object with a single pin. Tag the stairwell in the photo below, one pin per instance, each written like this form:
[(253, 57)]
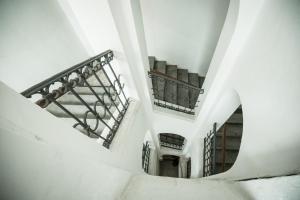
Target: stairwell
[(228, 141), (175, 85)]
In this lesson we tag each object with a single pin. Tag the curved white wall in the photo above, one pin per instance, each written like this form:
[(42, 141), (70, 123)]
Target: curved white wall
[(262, 65), (37, 41), (184, 33)]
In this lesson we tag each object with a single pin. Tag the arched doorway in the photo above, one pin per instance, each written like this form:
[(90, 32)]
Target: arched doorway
[(169, 166)]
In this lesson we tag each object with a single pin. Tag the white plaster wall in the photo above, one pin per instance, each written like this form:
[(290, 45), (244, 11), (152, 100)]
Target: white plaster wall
[(261, 66), (37, 41), (95, 26), (142, 187), (59, 161), (184, 33)]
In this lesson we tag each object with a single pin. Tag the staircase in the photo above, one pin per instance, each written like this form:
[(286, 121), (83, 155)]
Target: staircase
[(228, 140), (221, 147), (174, 86), (89, 96), (79, 110)]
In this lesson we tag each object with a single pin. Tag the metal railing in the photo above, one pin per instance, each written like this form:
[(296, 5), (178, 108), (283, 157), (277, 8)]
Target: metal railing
[(187, 104), (209, 152), (171, 140), (146, 157), (66, 81)]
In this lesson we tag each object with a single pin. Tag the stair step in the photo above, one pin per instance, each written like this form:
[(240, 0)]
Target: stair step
[(230, 156), (98, 90), (79, 111), (232, 130), (236, 118), (228, 149), (183, 92), (159, 83), (193, 80), (92, 80), (161, 66), (70, 99), (201, 81), (171, 87), (151, 62), (231, 142)]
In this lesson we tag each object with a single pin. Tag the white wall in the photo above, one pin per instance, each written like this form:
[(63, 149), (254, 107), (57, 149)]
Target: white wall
[(37, 41), (184, 33), (261, 65), (95, 26), (143, 187), (59, 161)]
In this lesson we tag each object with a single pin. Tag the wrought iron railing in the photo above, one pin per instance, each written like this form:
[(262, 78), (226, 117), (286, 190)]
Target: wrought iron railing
[(165, 98), (146, 157), (171, 140), (51, 89), (209, 152)]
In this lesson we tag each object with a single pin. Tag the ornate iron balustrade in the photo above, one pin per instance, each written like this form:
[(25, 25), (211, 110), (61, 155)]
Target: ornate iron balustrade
[(209, 152), (171, 140), (146, 157), (160, 82), (67, 81)]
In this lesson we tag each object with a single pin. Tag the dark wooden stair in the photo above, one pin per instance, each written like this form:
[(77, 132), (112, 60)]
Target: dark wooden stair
[(171, 92)]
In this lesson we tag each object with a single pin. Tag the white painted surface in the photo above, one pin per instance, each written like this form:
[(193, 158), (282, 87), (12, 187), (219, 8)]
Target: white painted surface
[(143, 187), (59, 161), (261, 66), (184, 33), (95, 26), (37, 41)]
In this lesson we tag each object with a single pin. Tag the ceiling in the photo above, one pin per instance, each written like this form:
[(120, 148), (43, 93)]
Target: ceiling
[(184, 32)]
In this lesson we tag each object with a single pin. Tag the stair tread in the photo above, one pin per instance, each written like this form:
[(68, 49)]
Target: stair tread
[(77, 110), (151, 62), (172, 71), (159, 83), (161, 66), (183, 75), (183, 92), (70, 99), (92, 80), (98, 90), (201, 81), (171, 87), (228, 148), (193, 94), (194, 79)]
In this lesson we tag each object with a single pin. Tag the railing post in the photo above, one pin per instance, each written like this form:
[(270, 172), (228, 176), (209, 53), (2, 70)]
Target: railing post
[(214, 148), (204, 158)]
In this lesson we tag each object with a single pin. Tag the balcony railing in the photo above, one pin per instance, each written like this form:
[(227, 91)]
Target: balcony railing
[(104, 78), (146, 157), (172, 141), (209, 153), (166, 98)]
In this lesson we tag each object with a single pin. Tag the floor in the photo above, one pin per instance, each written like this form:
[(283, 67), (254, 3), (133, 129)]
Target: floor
[(168, 166)]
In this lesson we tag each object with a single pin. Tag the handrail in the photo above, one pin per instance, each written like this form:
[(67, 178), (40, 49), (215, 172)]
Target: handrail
[(209, 153), (146, 156), (162, 75), (34, 89), (112, 97), (163, 97)]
